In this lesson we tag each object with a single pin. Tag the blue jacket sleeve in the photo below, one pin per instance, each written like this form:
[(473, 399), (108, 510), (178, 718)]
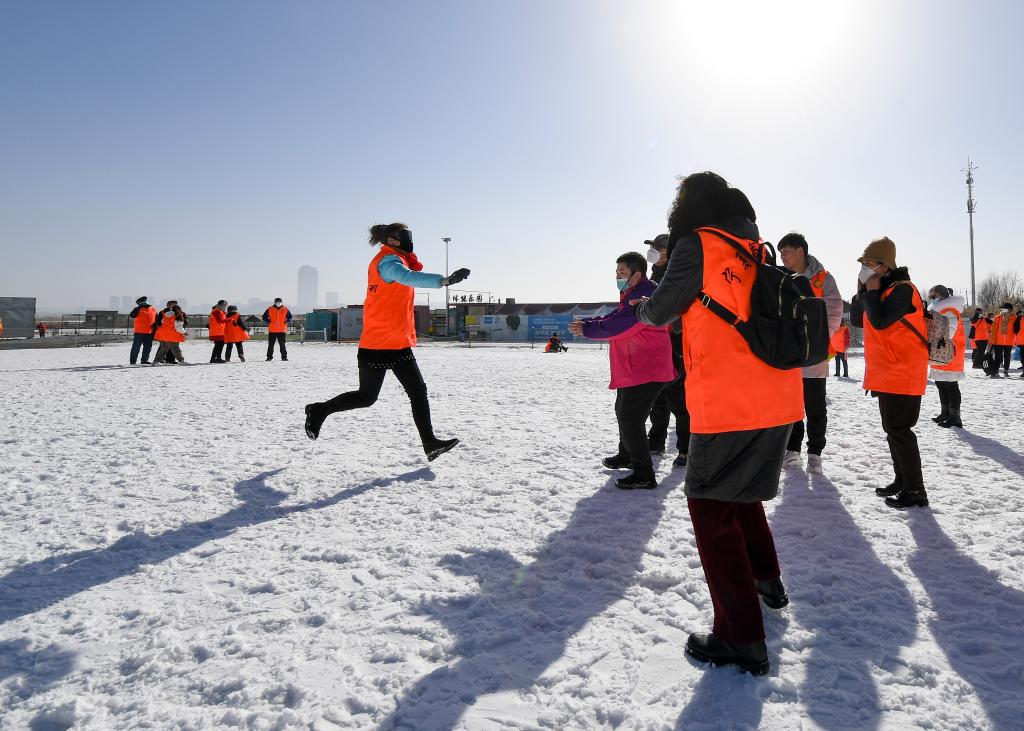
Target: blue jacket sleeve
[(392, 269), (266, 316), (288, 316)]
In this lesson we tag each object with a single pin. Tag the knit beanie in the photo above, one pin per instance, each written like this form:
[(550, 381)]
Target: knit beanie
[(881, 249)]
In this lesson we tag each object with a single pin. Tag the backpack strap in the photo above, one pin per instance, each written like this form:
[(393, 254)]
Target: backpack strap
[(732, 242), (912, 329), (730, 317)]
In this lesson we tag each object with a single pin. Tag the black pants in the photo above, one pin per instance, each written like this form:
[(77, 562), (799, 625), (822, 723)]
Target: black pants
[(632, 407), (143, 341), (817, 419), (370, 381), (279, 339), (670, 402), (978, 355), (218, 350), (841, 358), (949, 394), (227, 353), (1002, 357), (899, 416)]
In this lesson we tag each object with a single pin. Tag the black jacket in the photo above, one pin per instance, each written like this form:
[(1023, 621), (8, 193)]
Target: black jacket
[(883, 314)]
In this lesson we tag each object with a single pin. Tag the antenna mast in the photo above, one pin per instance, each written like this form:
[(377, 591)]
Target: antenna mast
[(971, 205)]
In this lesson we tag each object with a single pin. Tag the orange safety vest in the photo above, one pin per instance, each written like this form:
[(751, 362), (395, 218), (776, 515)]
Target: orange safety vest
[(166, 332), (388, 316), (895, 359), (981, 330), (728, 388), (145, 319), (1020, 335), (1002, 330), (217, 321), (837, 343), (278, 319), (232, 332), (818, 283), (959, 343)]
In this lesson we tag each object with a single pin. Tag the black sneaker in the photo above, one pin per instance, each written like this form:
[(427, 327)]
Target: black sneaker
[(618, 462), (639, 480), (680, 461), (908, 499), (750, 658), (269, 358), (891, 489), (438, 447), (314, 420), (773, 592), (656, 448)]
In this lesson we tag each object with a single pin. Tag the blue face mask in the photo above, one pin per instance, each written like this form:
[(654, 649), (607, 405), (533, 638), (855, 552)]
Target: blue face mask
[(622, 284)]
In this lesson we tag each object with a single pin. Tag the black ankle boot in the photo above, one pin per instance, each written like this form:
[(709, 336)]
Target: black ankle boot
[(909, 499), (617, 462), (314, 420), (641, 479), (953, 419), (943, 415), (437, 447), (773, 592), (892, 488), (750, 657)]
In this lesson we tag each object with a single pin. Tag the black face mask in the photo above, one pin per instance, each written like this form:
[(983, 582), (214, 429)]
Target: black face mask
[(405, 239)]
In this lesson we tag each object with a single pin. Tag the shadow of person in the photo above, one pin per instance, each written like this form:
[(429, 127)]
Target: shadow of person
[(40, 668), (37, 585), (978, 621), (519, 621), (1009, 458), (858, 609)]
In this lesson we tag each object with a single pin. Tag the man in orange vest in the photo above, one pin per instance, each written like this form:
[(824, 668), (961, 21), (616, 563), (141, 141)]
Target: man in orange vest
[(277, 319), (793, 250), (216, 324), (1001, 339), (980, 325), (169, 331), (890, 309), (741, 414), (839, 344), (235, 333), (144, 317)]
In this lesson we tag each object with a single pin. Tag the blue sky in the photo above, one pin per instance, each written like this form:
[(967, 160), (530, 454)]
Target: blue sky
[(207, 150)]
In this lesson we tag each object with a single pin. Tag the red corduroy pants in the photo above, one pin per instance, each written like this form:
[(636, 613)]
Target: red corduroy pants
[(736, 547)]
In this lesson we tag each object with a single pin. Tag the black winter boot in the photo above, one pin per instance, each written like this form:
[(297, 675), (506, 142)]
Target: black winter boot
[(680, 461), (952, 420), (437, 447), (641, 479), (908, 499), (773, 592), (893, 488), (314, 420), (618, 462), (943, 415), (751, 657)]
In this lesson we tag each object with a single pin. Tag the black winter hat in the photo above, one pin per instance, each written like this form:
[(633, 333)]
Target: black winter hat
[(141, 300)]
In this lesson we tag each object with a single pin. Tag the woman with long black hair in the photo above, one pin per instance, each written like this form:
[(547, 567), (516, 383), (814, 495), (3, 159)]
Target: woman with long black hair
[(389, 334)]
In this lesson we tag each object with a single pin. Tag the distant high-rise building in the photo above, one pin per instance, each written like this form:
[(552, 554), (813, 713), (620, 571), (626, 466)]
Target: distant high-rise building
[(331, 299), (115, 302), (127, 303), (309, 288)]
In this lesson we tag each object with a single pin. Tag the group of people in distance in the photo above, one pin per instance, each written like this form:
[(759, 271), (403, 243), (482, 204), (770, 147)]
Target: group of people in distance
[(994, 335), (168, 327), (738, 419)]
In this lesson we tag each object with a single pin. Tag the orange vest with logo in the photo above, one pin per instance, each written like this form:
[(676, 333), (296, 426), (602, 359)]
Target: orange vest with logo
[(232, 332), (818, 283), (1002, 330), (895, 359), (388, 316), (166, 332), (278, 317), (728, 388), (837, 343), (145, 319), (216, 325), (981, 330), (959, 343)]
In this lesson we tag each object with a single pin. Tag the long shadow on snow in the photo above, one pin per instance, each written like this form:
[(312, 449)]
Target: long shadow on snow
[(978, 623), (37, 585), (985, 447), (859, 610), (524, 614)]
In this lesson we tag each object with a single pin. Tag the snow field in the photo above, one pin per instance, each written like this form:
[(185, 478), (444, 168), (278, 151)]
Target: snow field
[(177, 554)]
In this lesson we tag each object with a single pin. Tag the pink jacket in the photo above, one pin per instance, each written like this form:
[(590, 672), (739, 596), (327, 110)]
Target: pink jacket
[(638, 353)]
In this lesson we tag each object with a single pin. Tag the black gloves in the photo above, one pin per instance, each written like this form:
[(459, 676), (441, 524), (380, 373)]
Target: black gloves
[(457, 276)]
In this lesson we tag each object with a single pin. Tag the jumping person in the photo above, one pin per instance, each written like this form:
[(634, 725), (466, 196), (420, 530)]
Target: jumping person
[(840, 343), (277, 319), (389, 334), (216, 325), (169, 331), (143, 319), (641, 365), (741, 414), (236, 332), (947, 377), (887, 305), (793, 250)]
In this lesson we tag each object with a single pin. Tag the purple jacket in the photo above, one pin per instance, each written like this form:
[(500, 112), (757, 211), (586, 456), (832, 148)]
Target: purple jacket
[(639, 353)]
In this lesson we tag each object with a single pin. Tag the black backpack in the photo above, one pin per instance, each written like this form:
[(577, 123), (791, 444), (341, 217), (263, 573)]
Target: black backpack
[(788, 325)]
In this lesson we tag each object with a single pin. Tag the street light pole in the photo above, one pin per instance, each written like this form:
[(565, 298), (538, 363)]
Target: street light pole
[(447, 316)]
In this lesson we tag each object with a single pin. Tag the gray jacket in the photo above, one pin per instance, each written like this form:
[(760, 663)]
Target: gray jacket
[(834, 305)]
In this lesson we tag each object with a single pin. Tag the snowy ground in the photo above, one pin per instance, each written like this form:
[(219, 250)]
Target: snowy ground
[(176, 554)]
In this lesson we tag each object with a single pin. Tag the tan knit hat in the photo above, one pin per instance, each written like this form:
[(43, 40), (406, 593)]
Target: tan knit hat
[(881, 249)]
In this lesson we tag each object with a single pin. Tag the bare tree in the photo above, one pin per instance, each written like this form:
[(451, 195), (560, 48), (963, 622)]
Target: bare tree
[(995, 289)]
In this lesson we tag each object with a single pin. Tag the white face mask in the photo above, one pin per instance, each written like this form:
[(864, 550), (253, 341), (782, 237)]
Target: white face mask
[(653, 255), (866, 273), (1004, 311)]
